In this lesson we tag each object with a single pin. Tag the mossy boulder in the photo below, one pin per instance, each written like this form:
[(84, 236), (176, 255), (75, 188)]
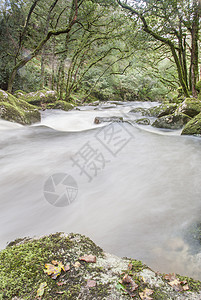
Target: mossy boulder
[(175, 121), (193, 127), (38, 98), (103, 276), (156, 111), (190, 107), (16, 110), (60, 105)]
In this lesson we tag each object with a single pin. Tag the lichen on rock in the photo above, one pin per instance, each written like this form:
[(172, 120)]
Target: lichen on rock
[(193, 127)]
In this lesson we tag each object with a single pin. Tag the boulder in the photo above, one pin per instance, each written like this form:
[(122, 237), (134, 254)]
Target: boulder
[(38, 98), (16, 110), (193, 127), (176, 121), (61, 266), (190, 107), (99, 120), (60, 105), (156, 111)]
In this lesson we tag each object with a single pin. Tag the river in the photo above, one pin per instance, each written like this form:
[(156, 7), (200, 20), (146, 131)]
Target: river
[(134, 190)]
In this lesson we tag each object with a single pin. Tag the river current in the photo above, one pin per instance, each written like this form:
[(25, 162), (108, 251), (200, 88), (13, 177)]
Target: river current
[(133, 189)]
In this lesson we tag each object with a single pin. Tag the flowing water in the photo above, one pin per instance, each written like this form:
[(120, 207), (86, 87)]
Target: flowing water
[(138, 188)]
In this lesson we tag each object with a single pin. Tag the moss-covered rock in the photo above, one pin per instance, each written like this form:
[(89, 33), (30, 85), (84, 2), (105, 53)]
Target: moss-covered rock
[(16, 110), (176, 121), (193, 127), (107, 277), (60, 105), (38, 98), (190, 107), (156, 111)]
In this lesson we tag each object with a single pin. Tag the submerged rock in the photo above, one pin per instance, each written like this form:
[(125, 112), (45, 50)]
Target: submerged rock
[(143, 121), (176, 121), (86, 272), (16, 110), (99, 120), (193, 127)]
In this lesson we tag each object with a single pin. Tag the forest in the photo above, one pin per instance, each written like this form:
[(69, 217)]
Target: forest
[(107, 49)]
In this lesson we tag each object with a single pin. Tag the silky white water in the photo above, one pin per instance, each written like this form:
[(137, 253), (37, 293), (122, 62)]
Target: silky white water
[(139, 202)]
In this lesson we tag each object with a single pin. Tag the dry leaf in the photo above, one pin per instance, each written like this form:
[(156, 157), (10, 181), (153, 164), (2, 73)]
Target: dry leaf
[(145, 294), (60, 292), (67, 268), (60, 283), (170, 276), (77, 264), (54, 270), (130, 265), (185, 287), (91, 283), (88, 258), (176, 285), (127, 279), (41, 289)]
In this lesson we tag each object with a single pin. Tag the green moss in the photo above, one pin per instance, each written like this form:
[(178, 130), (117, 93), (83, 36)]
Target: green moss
[(138, 266), (60, 105), (17, 110), (40, 97), (194, 285), (193, 127), (198, 86), (159, 295), (191, 107)]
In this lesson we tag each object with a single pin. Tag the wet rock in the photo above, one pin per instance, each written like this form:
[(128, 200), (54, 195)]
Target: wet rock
[(156, 111), (193, 127), (16, 110), (99, 120), (176, 121)]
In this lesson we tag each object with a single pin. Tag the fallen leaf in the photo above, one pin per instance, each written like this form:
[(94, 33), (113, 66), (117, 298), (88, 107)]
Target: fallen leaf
[(60, 292), (88, 258), (67, 268), (127, 279), (185, 287), (145, 294), (41, 289), (130, 266), (54, 270), (91, 283), (60, 283), (170, 276), (176, 285), (120, 286), (77, 264)]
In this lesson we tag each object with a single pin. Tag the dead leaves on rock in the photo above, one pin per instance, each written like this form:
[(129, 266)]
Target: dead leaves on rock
[(145, 294), (91, 283), (88, 258), (177, 285)]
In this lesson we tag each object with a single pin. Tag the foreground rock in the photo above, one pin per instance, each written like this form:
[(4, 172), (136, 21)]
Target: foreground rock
[(71, 266), (16, 110), (156, 111), (193, 127)]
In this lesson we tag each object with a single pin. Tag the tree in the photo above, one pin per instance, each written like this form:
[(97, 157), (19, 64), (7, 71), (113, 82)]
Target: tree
[(168, 22)]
